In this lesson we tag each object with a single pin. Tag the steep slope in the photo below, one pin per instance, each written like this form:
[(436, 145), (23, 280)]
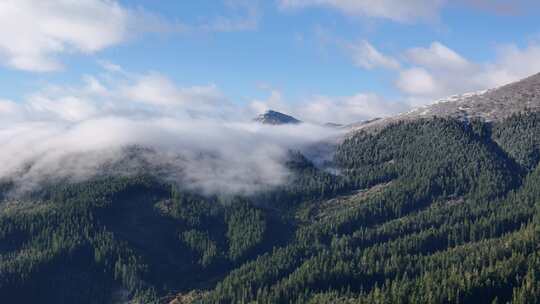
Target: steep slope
[(491, 105), (454, 208)]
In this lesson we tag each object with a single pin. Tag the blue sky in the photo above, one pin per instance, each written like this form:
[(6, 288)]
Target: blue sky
[(338, 60)]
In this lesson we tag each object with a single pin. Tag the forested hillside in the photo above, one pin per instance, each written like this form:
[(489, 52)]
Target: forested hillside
[(426, 211)]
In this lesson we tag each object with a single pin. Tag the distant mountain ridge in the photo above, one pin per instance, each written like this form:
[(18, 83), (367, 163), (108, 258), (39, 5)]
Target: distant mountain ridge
[(271, 117), (488, 105)]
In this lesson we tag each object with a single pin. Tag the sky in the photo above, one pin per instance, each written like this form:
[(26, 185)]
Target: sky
[(338, 61)]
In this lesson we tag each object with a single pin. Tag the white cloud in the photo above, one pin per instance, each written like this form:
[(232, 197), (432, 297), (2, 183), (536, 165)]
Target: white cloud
[(349, 109), (67, 108), (198, 138), (439, 71), (8, 108), (156, 89), (274, 102), (326, 109), (437, 56), (512, 63), (34, 33), (367, 56), (417, 81), (396, 10)]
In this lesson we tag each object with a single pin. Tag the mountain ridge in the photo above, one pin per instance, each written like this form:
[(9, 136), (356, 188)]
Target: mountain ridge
[(489, 105)]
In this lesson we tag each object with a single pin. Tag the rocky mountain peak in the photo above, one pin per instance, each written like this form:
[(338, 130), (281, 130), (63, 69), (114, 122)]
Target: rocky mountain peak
[(271, 117)]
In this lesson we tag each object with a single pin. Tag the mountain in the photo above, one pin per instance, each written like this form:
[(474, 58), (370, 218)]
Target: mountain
[(276, 118), (428, 209), (489, 105)]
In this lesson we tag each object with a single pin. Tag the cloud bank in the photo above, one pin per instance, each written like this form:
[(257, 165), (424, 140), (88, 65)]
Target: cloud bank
[(191, 135)]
